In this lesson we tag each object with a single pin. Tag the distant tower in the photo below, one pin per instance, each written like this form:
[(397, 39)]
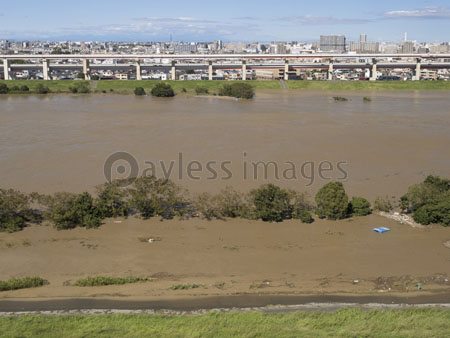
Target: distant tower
[(363, 38), (406, 36)]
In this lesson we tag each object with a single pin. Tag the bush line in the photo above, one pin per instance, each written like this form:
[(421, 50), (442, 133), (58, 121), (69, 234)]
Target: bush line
[(22, 283), (147, 197)]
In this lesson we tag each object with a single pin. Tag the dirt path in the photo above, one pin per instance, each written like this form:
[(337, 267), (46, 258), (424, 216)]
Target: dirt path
[(271, 303)]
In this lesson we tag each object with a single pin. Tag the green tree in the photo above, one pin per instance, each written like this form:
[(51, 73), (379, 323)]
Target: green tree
[(304, 216), (4, 88), (81, 75), (68, 211), (428, 192), (383, 204), (359, 206), (139, 91), (404, 203), (41, 89), (15, 210), (158, 197), (111, 200), (332, 201), (201, 90), (238, 90), (272, 204), (162, 90), (231, 203)]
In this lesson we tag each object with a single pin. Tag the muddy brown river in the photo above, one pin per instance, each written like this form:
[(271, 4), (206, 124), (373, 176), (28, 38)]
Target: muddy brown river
[(296, 139)]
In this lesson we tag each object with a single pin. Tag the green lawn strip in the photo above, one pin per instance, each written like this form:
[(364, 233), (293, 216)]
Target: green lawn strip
[(22, 283), (58, 86), (127, 87), (344, 323), (101, 280), (368, 85)]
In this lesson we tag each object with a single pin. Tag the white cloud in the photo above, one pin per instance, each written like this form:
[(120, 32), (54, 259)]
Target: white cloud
[(179, 19), (421, 13), (322, 20)]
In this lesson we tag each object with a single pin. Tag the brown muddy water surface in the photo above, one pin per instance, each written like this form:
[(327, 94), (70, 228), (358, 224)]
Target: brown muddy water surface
[(61, 142)]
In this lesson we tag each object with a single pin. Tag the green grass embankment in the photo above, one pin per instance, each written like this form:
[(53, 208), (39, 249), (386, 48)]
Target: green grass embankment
[(415, 323)]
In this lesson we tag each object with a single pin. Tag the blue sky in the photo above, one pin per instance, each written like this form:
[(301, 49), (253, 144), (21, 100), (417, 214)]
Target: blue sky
[(231, 20)]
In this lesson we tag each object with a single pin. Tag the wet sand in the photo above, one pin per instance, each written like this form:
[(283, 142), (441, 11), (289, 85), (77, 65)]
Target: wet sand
[(56, 143), (230, 257)]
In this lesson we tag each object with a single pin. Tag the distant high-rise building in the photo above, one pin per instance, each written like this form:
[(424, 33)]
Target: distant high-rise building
[(363, 38), (332, 43), (280, 48), (218, 45), (408, 47)]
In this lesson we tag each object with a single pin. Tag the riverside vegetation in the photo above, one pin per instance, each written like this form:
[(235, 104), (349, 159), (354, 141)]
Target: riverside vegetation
[(147, 197), (127, 87), (416, 323), (157, 89)]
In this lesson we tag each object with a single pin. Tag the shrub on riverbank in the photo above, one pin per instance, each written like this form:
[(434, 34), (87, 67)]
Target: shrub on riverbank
[(150, 197), (101, 281), (429, 201), (41, 89), (332, 201), (238, 90), (271, 203), (139, 91), (162, 90), (359, 206), (68, 211), (22, 283), (383, 204), (111, 200), (15, 211), (81, 88), (201, 90), (340, 99), (4, 88)]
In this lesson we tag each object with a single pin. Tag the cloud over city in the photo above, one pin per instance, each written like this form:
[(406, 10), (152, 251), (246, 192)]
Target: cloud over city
[(421, 13), (323, 20)]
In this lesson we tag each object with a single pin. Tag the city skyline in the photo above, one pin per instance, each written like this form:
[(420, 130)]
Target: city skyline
[(237, 21)]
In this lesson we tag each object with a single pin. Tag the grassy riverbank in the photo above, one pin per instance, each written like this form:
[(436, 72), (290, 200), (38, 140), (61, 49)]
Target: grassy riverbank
[(127, 87), (343, 323)]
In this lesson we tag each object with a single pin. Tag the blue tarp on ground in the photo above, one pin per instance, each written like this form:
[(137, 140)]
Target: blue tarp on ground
[(381, 230)]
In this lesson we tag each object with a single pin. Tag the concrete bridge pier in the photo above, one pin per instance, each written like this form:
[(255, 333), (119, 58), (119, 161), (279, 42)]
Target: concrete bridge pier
[(244, 70), (286, 70), (87, 76), (173, 72), (6, 69), (210, 70), (138, 70), (418, 70), (330, 71), (373, 75), (45, 69)]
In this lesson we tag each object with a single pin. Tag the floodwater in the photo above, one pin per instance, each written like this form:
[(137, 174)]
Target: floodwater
[(378, 148)]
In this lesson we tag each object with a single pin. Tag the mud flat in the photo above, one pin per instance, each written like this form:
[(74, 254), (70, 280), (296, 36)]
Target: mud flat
[(233, 257)]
